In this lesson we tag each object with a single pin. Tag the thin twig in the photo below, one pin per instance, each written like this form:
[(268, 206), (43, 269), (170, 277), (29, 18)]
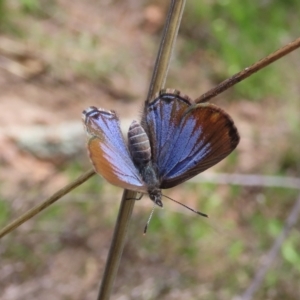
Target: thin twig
[(38, 208), (166, 47), (272, 254), (126, 208), (226, 84), (248, 180)]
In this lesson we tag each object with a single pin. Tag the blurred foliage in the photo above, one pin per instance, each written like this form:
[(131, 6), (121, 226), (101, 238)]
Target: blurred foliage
[(4, 212), (3, 12), (290, 251), (30, 6), (38, 8), (241, 33)]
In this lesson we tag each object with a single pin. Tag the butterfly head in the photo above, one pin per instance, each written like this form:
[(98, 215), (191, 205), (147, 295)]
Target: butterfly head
[(155, 196)]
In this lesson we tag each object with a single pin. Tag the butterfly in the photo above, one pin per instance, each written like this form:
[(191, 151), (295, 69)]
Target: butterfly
[(176, 140)]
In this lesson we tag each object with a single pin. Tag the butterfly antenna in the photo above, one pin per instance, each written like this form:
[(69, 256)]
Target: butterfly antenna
[(189, 208), (149, 219)]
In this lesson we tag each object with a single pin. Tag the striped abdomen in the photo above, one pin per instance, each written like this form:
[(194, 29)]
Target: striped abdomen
[(138, 143)]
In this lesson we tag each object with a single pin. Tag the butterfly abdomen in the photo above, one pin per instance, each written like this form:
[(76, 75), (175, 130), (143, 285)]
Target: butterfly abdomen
[(138, 143)]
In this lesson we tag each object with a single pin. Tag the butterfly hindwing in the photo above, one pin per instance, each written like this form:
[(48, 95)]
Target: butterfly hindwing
[(108, 151)]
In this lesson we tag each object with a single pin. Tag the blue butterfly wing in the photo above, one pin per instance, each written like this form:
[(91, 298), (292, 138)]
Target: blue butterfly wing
[(108, 151), (187, 138)]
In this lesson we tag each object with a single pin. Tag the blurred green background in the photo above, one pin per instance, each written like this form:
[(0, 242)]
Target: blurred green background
[(58, 57)]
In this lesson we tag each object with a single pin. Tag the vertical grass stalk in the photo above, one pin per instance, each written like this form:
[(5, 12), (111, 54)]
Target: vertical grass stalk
[(157, 82)]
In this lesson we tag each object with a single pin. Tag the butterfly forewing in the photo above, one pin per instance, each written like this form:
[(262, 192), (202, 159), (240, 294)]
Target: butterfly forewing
[(162, 127), (108, 152), (194, 138)]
